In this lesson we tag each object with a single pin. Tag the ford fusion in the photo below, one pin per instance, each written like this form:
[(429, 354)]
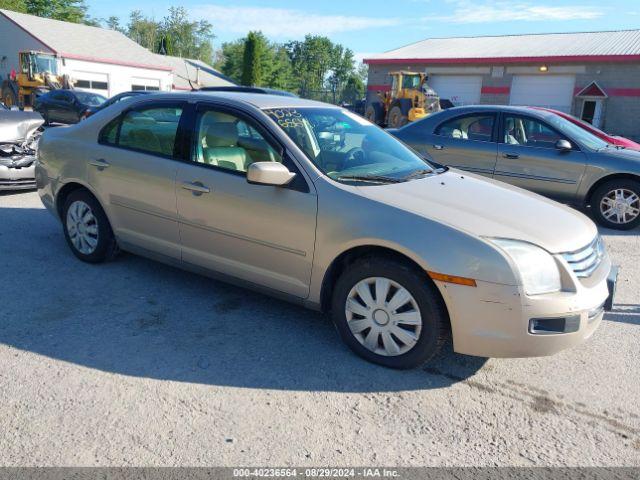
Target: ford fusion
[(309, 202)]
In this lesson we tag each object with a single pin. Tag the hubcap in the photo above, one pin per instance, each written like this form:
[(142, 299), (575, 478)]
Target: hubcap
[(82, 227), (383, 316), (620, 206)]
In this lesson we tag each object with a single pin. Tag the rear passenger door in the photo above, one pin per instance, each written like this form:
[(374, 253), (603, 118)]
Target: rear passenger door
[(257, 233), (133, 171), (466, 142)]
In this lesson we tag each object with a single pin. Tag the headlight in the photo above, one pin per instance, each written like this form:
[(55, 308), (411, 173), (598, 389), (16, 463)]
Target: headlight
[(537, 268)]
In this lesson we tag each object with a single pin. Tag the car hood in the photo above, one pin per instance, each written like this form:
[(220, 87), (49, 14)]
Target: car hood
[(622, 153), (625, 142), (17, 127), (488, 208)]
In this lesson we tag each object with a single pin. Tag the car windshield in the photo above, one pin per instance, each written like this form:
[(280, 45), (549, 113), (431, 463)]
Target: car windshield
[(348, 148), (576, 132), (91, 99)]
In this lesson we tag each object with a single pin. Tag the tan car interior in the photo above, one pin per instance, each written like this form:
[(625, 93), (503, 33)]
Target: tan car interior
[(221, 143)]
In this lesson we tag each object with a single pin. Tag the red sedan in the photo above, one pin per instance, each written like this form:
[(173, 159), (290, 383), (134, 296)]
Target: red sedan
[(612, 139)]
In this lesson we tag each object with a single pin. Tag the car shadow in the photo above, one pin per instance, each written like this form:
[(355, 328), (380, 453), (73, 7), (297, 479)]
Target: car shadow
[(140, 318), (624, 313)]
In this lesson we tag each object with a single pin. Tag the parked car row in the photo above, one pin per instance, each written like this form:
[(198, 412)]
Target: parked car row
[(539, 150), (312, 203)]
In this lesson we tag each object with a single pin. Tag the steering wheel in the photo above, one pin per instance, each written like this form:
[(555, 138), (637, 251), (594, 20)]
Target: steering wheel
[(356, 154)]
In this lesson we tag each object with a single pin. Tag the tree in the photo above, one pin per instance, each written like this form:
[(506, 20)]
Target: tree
[(232, 58), (353, 90), (185, 38), (67, 10), (113, 23), (143, 31), (15, 5), (252, 59)]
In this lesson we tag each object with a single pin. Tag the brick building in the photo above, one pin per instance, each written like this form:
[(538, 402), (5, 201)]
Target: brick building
[(592, 75)]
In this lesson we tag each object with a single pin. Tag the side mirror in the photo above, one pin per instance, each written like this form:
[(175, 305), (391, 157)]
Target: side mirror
[(269, 173), (563, 145)]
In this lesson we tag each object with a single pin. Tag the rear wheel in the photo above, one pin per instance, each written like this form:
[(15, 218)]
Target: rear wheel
[(87, 229), (389, 314), (616, 204), (396, 118)]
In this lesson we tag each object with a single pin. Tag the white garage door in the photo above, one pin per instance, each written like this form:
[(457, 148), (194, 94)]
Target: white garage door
[(460, 89), (552, 91), (92, 82)]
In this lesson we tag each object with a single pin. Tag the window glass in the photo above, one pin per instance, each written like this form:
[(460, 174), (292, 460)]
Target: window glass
[(348, 148), (228, 142), (91, 99), (529, 132), (472, 127), (151, 130)]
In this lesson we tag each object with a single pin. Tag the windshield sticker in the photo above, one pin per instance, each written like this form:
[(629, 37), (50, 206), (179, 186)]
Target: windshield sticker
[(287, 117)]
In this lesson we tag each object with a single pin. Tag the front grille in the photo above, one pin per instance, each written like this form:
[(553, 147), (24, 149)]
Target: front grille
[(585, 260)]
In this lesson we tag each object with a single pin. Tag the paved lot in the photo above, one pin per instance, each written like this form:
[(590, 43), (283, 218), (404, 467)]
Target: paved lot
[(136, 363)]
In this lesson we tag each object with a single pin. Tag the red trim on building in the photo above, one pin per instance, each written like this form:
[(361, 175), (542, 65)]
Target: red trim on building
[(71, 56), (27, 32), (502, 60), (379, 88), (496, 90), (591, 90), (623, 92)]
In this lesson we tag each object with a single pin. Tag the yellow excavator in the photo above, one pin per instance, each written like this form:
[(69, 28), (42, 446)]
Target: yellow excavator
[(409, 99), (37, 74)]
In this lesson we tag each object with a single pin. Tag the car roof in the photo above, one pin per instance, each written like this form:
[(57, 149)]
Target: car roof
[(258, 100)]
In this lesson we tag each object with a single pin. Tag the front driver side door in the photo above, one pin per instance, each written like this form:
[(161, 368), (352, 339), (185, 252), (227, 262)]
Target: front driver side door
[(528, 158), (257, 233)]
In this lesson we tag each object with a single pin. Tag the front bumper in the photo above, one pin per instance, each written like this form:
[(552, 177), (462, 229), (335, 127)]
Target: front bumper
[(12, 178), (493, 320)]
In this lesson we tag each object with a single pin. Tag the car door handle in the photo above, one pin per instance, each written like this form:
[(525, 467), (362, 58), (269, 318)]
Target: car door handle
[(196, 187), (100, 163), (438, 147), (513, 156)]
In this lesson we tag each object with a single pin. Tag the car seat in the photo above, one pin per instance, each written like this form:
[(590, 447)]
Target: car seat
[(220, 147)]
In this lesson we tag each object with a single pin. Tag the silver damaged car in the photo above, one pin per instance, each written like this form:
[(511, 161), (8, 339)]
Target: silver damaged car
[(19, 135)]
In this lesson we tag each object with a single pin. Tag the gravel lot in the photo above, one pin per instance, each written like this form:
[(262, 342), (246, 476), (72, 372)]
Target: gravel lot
[(136, 363)]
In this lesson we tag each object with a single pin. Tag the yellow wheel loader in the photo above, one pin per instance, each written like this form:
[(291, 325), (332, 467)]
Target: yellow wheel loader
[(37, 74), (409, 99)]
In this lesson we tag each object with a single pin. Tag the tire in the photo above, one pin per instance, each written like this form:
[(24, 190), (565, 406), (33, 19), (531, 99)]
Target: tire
[(397, 119), (92, 240), (374, 113), (623, 194), (9, 97), (425, 302)]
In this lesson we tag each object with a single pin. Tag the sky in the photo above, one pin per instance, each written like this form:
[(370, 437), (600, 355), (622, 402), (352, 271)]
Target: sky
[(372, 26)]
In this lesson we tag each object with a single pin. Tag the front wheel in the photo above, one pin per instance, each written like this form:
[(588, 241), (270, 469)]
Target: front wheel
[(396, 118), (389, 313), (87, 229), (616, 204)]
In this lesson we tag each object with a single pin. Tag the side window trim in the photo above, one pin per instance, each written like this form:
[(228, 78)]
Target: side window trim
[(177, 151), (494, 131)]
